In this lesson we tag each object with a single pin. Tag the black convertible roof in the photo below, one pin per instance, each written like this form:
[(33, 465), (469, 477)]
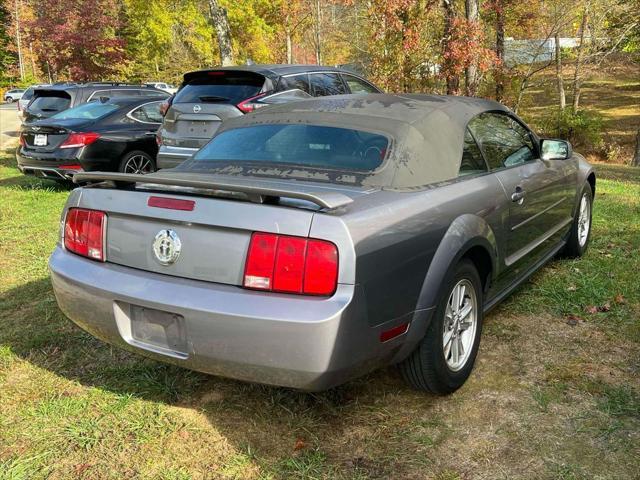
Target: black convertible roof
[(427, 131)]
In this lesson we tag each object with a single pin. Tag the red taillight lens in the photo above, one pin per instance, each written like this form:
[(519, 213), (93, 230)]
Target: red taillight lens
[(21, 140), (289, 268), (248, 105), (84, 233), (321, 268), (71, 166), (283, 263), (76, 140), (258, 272)]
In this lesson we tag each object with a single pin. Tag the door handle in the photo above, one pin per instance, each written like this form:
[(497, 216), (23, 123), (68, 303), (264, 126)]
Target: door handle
[(518, 195)]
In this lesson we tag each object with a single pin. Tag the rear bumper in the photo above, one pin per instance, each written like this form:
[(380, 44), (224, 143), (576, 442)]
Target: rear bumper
[(300, 342), (169, 157)]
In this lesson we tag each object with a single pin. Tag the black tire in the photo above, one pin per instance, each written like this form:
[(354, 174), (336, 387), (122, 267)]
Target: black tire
[(9, 99), (426, 368), (574, 247), (129, 157)]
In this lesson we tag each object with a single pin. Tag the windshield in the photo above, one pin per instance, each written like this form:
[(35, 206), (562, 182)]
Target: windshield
[(89, 111), (300, 145)]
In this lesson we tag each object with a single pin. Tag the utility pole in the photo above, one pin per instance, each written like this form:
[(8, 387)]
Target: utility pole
[(18, 41)]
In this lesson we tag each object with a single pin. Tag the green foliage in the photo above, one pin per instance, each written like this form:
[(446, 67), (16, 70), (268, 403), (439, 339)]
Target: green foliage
[(583, 128)]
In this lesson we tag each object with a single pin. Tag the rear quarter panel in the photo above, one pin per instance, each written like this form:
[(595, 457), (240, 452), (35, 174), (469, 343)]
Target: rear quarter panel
[(395, 237)]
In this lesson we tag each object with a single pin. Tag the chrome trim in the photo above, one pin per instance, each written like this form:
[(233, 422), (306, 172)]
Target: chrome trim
[(533, 217), (128, 114), (513, 258)]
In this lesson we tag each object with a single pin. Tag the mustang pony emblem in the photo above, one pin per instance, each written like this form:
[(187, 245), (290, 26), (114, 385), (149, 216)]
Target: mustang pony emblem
[(166, 246)]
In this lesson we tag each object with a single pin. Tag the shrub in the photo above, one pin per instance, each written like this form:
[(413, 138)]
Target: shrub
[(583, 128)]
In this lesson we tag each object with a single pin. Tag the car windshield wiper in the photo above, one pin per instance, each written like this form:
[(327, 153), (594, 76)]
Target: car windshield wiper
[(212, 98)]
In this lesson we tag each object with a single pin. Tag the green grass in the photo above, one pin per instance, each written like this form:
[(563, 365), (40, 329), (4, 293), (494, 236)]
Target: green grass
[(546, 400)]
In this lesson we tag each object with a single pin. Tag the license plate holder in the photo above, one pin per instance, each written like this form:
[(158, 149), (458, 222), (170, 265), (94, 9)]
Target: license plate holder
[(40, 140)]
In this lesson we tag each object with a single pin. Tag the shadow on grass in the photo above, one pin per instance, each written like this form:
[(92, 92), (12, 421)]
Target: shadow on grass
[(266, 421)]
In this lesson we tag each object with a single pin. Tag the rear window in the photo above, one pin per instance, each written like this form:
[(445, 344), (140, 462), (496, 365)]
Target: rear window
[(28, 94), (50, 102), (220, 87), (301, 145), (89, 111)]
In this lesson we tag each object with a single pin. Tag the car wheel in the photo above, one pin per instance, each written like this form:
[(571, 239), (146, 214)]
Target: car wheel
[(581, 228), (443, 360), (8, 100), (137, 162)]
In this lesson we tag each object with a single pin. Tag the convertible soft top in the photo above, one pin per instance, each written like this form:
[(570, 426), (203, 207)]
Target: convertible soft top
[(428, 131)]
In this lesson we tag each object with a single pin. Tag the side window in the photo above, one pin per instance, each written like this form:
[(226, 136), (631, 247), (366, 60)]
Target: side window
[(358, 86), (326, 84), (149, 113), (472, 160), (300, 82), (503, 140)]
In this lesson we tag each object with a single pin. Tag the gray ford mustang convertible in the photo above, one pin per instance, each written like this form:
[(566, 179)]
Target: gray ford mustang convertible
[(312, 242)]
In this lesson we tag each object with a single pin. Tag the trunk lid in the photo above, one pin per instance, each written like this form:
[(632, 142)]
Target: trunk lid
[(52, 134), (191, 125), (214, 236)]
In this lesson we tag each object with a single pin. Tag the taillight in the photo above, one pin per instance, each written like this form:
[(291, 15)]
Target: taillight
[(22, 141), (283, 263), (76, 140), (248, 105), (70, 166), (158, 139), (84, 232)]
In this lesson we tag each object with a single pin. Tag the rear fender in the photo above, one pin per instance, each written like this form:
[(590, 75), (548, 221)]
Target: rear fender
[(465, 232)]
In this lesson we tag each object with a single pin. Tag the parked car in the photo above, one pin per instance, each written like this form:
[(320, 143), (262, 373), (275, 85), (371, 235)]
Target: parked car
[(311, 242), (26, 98), (208, 97), (162, 86), (13, 95), (115, 135), (47, 101)]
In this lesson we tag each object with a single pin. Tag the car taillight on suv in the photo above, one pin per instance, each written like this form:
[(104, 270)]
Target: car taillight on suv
[(84, 232), (288, 264), (250, 104)]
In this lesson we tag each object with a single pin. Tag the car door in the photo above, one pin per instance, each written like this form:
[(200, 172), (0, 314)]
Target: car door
[(146, 121), (539, 199)]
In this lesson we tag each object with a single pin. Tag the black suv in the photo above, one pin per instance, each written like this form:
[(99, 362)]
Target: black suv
[(208, 97), (49, 100)]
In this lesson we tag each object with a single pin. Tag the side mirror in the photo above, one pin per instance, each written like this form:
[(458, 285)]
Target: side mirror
[(555, 149)]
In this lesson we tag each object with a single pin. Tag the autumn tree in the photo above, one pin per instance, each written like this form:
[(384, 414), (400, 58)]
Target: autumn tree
[(79, 39)]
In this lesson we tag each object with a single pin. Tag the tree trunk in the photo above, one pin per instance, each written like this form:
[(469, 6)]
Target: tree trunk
[(453, 81), (500, 50), (317, 34), (561, 95), (289, 48), (577, 81), (472, 12), (636, 157), (223, 32)]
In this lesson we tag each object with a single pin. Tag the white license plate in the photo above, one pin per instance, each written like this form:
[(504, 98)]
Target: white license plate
[(40, 140)]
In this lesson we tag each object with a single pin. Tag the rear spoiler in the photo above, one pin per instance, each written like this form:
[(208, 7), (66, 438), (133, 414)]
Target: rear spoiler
[(256, 190)]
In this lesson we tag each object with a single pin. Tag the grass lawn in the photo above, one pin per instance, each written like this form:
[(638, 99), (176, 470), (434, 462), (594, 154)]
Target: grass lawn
[(555, 393)]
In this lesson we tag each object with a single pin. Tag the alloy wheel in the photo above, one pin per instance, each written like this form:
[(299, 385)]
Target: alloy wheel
[(460, 324), (138, 164)]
